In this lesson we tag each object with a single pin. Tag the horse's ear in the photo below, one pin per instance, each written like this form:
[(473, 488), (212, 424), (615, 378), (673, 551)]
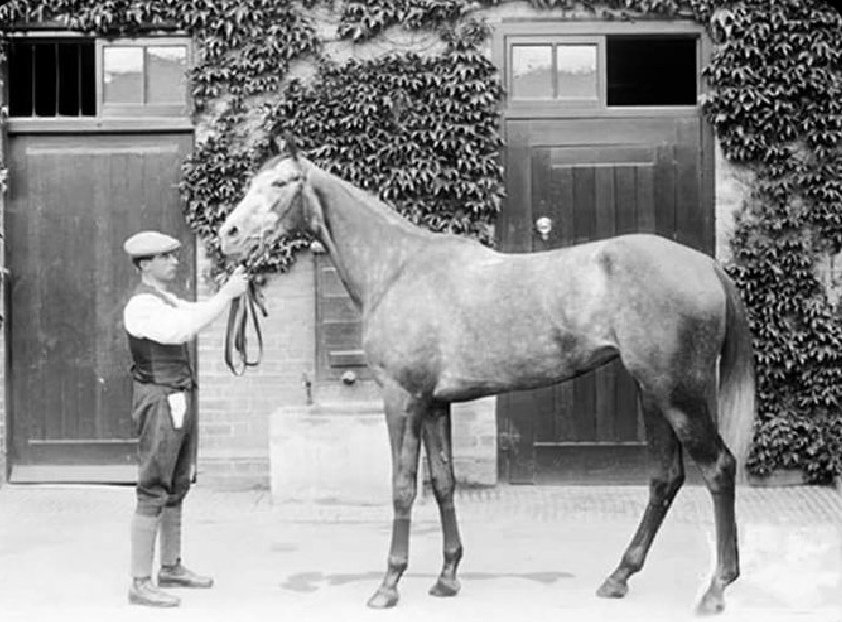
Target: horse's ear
[(289, 143), (276, 146)]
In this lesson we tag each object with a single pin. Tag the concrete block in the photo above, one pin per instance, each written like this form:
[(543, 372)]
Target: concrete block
[(479, 464), (329, 452)]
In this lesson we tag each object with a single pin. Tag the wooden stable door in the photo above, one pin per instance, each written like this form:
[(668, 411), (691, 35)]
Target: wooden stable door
[(73, 200), (593, 179)]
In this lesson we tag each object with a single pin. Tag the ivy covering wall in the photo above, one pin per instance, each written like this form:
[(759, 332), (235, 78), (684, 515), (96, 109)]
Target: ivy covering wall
[(423, 133)]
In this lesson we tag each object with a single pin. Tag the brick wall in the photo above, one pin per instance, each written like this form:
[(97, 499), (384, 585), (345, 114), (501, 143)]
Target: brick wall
[(234, 411)]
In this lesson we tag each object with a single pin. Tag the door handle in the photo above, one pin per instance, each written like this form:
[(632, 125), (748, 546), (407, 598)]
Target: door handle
[(544, 225)]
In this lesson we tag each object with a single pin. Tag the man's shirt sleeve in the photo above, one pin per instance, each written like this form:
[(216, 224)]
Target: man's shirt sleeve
[(148, 316)]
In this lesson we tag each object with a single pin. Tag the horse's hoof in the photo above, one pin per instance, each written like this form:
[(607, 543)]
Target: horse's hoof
[(445, 587), (613, 588), (712, 603), (383, 598)]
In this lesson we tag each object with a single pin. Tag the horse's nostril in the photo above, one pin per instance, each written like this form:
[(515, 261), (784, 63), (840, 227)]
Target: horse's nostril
[(233, 232)]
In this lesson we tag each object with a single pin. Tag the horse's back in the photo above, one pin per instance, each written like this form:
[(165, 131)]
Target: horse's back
[(662, 267)]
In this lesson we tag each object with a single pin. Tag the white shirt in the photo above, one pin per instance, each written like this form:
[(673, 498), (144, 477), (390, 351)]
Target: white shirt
[(148, 316)]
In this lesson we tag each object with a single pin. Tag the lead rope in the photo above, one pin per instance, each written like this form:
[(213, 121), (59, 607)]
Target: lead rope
[(242, 308)]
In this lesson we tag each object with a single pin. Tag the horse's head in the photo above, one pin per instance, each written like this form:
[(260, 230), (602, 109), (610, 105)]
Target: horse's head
[(272, 204)]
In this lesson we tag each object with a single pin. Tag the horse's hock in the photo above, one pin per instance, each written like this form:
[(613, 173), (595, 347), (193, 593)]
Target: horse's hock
[(340, 452)]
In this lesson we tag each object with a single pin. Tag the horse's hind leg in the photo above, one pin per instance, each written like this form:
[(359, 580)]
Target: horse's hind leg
[(403, 418), (693, 423), (667, 476), (436, 435)]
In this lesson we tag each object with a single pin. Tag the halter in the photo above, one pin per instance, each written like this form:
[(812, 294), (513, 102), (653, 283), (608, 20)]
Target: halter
[(243, 310)]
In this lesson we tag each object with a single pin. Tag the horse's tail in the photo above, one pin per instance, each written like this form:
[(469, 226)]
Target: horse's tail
[(736, 376)]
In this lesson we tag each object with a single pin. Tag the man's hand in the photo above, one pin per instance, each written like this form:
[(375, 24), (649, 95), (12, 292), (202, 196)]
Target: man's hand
[(236, 285)]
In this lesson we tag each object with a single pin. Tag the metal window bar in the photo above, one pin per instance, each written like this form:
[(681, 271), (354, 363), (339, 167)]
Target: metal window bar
[(145, 73), (32, 78), (58, 80), (79, 80), (554, 68)]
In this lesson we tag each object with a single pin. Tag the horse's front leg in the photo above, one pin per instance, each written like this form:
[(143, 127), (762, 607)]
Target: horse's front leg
[(403, 418), (436, 434)]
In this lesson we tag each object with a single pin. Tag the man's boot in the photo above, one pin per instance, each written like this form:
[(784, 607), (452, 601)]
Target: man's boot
[(142, 591), (179, 576), (173, 573)]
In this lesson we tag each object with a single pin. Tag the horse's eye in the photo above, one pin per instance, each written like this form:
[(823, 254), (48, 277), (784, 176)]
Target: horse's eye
[(280, 183)]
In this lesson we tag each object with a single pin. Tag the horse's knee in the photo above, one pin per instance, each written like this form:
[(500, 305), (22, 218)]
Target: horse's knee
[(663, 488), (723, 473), (443, 487), (403, 496)]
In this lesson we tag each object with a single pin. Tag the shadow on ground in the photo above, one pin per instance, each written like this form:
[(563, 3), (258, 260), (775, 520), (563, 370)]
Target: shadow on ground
[(313, 581)]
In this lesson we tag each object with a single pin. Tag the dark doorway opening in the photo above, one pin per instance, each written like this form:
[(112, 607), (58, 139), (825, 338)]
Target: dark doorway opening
[(651, 71)]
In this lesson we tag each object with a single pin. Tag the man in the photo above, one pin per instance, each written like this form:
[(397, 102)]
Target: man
[(159, 327)]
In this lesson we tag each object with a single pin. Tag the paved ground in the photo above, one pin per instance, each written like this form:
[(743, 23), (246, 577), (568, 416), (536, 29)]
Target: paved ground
[(532, 553)]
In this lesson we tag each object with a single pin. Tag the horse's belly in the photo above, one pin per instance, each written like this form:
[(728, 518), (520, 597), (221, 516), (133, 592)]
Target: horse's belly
[(469, 379)]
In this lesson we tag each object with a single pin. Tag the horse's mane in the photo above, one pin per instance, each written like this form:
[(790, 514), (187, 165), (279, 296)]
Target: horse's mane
[(370, 198)]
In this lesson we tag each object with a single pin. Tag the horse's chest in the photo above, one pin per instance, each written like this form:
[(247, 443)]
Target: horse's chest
[(405, 349)]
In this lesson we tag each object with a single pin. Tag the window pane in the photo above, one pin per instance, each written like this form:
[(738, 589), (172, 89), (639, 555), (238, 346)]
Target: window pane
[(532, 67), (45, 79), (88, 79), (576, 71), (123, 75), (166, 77), (651, 71), (68, 79), (20, 79)]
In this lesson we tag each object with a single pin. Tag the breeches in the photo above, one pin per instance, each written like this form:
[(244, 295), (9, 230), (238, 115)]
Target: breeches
[(164, 452)]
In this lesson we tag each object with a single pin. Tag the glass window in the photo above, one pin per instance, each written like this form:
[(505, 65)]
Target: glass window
[(145, 78), (532, 67), (166, 77), (122, 75), (576, 71)]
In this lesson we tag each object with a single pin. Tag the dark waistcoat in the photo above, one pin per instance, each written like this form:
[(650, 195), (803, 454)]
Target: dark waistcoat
[(160, 363)]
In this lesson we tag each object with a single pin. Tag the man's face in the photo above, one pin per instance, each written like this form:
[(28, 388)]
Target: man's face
[(162, 267)]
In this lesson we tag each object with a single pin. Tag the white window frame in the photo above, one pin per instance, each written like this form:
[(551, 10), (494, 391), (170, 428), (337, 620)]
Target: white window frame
[(555, 42), (175, 109)]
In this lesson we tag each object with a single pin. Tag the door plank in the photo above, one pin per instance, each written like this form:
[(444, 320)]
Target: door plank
[(515, 220), (606, 377), (664, 191), (690, 224), (543, 201), (564, 230), (645, 199), (625, 182), (584, 209)]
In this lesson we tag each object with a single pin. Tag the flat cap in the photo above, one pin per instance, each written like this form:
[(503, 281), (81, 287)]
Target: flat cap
[(149, 243)]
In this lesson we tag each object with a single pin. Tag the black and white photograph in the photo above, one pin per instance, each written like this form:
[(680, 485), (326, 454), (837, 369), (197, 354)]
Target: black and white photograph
[(421, 310)]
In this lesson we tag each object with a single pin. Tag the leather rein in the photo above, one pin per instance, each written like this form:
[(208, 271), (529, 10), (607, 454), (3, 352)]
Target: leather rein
[(242, 310)]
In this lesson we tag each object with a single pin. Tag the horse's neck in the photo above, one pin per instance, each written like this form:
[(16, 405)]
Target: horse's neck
[(367, 241)]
